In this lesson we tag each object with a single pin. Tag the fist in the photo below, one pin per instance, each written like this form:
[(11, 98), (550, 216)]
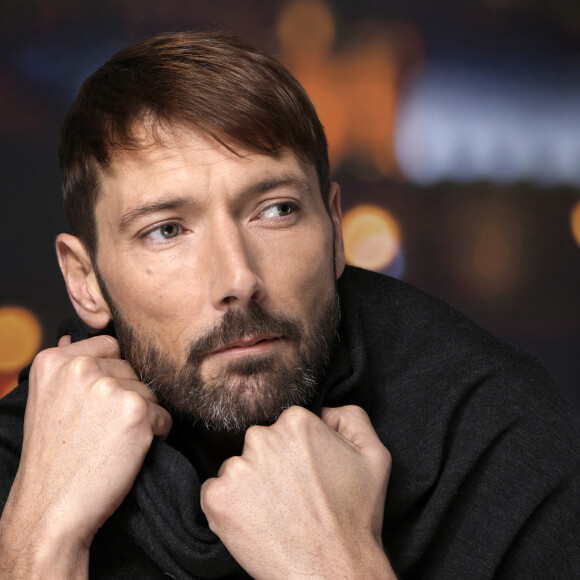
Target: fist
[(88, 425), (306, 497)]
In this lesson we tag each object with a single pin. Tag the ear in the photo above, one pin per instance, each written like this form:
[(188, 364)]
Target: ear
[(81, 282), (336, 215)]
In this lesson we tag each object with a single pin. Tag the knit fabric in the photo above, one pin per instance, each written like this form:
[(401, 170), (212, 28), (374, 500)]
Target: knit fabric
[(486, 455)]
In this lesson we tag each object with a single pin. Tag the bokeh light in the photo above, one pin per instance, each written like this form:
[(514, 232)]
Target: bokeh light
[(372, 237), (306, 27), (486, 247), (354, 85), (7, 383), (466, 124), (575, 222), (20, 338)]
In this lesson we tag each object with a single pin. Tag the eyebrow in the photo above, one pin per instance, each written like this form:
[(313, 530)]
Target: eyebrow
[(149, 208), (287, 179), (296, 181)]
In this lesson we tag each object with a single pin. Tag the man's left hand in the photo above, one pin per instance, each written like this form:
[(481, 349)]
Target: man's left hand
[(305, 498)]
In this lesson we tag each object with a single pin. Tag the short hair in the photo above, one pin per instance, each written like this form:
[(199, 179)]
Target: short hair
[(209, 81)]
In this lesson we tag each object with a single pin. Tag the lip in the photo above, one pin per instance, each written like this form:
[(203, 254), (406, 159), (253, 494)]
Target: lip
[(248, 345)]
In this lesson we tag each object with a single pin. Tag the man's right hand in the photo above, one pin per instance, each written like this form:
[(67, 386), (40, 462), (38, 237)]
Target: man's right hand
[(88, 425)]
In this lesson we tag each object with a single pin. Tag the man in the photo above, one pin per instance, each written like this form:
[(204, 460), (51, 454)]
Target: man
[(238, 424)]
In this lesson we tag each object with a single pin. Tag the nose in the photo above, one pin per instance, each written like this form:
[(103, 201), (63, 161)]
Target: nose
[(236, 280)]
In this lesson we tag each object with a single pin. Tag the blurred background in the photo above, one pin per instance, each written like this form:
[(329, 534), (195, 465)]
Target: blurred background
[(454, 130)]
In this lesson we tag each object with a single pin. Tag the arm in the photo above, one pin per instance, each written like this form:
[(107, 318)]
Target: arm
[(305, 498), (88, 426)]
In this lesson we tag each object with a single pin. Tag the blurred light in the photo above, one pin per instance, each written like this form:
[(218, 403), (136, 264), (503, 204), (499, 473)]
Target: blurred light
[(372, 238), (354, 87), (307, 27), (575, 222), (485, 243), (7, 383), (464, 125), (20, 337)]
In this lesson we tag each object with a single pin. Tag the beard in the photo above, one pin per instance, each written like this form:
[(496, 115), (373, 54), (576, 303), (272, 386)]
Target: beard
[(243, 392)]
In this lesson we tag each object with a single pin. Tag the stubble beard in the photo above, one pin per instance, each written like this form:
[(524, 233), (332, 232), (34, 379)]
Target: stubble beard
[(244, 392)]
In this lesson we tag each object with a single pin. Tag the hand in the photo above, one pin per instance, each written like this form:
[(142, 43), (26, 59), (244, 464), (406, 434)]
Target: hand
[(88, 425), (305, 498)]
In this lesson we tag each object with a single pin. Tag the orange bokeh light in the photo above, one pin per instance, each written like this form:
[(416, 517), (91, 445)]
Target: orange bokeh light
[(20, 338), (575, 222), (7, 383), (372, 237), (487, 247), (355, 87)]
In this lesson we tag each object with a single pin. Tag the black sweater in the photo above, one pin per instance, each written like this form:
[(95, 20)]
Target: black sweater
[(486, 456)]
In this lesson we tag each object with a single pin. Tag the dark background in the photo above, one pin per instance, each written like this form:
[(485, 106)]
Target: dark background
[(458, 118)]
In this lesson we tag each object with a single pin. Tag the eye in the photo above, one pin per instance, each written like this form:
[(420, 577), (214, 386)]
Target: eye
[(278, 210), (164, 232)]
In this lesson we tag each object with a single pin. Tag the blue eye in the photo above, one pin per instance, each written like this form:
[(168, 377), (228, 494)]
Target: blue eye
[(164, 232)]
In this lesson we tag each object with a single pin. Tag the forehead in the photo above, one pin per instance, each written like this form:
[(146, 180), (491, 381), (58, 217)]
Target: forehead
[(192, 158)]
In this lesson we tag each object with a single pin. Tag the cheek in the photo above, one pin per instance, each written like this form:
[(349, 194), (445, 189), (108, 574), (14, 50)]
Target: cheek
[(303, 271), (156, 294)]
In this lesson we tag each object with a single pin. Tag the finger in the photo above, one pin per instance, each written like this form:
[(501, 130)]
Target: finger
[(102, 346), (160, 420), (225, 464), (352, 423), (158, 417), (64, 340), (209, 500), (117, 368), (139, 387), (203, 494)]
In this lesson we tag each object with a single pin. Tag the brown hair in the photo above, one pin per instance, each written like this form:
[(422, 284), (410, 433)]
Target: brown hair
[(211, 81)]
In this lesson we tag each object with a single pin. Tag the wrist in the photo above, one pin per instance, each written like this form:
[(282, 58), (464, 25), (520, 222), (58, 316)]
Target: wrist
[(377, 565), (32, 548), (367, 559)]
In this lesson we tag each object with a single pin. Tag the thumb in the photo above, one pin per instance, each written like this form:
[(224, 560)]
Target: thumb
[(353, 424)]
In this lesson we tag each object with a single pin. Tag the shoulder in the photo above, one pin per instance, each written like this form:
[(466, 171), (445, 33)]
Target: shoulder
[(403, 327), (370, 292), (439, 386), (429, 357), (485, 450), (380, 301)]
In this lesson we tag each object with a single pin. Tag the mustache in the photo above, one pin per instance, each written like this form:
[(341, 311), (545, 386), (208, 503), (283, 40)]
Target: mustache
[(237, 324)]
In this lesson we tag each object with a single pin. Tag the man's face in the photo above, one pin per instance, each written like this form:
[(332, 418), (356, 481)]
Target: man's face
[(219, 270)]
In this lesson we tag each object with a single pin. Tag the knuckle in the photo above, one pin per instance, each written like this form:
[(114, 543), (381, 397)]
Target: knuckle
[(104, 387), (388, 459), (295, 417), (356, 411), (81, 367), (46, 362), (213, 498), (234, 467), (44, 357), (354, 415), (162, 422), (383, 460), (254, 435), (165, 419), (134, 408), (219, 494)]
